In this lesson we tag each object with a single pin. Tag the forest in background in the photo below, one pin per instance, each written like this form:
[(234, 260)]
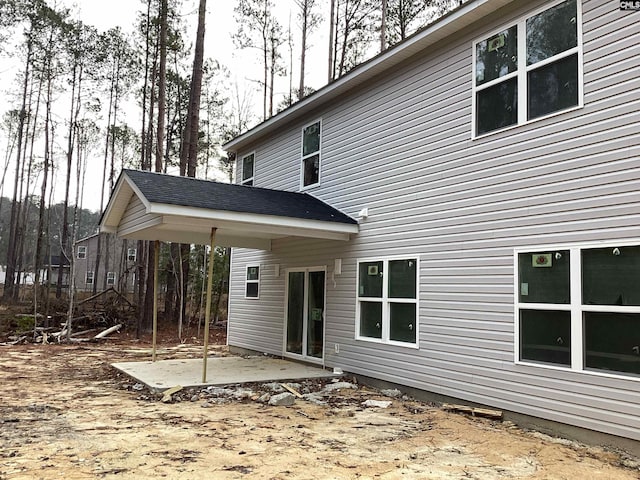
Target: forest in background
[(70, 116)]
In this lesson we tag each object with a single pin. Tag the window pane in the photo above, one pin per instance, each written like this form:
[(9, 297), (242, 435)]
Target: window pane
[(247, 167), (553, 87), (311, 170), (252, 290), (497, 56), (497, 106), (402, 278), (311, 139), (610, 276), (253, 273), (612, 341), (315, 315), (403, 322), (371, 319), (551, 32), (544, 277), (370, 279), (295, 312), (545, 336)]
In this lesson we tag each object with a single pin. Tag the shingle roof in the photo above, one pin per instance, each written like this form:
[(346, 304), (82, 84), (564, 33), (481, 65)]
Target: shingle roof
[(192, 192)]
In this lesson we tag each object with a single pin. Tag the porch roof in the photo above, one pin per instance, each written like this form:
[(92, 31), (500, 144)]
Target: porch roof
[(152, 206)]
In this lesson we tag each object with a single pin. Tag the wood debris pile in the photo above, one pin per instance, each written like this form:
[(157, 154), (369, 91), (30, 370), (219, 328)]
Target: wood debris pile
[(94, 319)]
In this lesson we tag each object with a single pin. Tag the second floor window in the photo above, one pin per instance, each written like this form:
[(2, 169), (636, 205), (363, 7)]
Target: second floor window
[(528, 70), (247, 169), (311, 154), (82, 252), (131, 254)]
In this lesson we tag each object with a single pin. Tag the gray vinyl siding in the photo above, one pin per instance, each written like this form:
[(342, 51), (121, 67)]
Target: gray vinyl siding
[(403, 148)]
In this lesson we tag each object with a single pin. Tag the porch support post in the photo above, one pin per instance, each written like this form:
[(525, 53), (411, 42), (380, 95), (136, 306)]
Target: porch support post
[(156, 263), (207, 314)]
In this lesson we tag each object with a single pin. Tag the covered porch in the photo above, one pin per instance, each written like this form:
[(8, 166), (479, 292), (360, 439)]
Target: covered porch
[(157, 207)]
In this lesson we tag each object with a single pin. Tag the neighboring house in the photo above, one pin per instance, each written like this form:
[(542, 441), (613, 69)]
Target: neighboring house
[(117, 268), (51, 271), (493, 163)]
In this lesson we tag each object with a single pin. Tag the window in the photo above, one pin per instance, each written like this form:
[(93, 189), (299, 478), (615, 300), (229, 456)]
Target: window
[(387, 308), (88, 279), (251, 286), (82, 252), (111, 278), (131, 254), (247, 169), (579, 308), (311, 154), (528, 70)]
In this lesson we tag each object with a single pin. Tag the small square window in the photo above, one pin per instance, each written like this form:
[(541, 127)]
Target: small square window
[(82, 252), (252, 282), (387, 308)]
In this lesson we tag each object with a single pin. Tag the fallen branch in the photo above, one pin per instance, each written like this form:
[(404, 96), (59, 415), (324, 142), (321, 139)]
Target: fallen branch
[(108, 331)]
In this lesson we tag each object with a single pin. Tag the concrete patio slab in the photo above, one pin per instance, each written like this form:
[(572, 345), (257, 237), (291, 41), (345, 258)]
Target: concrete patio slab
[(165, 374)]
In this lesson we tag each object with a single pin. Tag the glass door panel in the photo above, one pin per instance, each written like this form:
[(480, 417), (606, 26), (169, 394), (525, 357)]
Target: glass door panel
[(295, 312), (315, 315)]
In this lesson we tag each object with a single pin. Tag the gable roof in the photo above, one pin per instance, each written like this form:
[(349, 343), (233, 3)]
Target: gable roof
[(153, 206), (198, 193), (447, 25)]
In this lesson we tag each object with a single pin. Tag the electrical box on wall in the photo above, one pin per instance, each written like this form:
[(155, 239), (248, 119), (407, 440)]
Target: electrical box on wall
[(337, 266)]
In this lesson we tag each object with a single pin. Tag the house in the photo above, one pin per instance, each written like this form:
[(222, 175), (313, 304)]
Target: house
[(458, 216), (52, 268), (117, 266), (492, 161)]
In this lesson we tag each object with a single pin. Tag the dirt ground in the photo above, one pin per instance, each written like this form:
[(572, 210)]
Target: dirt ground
[(66, 414)]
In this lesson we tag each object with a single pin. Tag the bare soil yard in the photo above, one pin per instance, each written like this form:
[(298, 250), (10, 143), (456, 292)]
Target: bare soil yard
[(65, 414)]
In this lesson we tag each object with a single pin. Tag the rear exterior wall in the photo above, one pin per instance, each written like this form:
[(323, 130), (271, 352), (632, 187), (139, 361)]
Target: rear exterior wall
[(402, 147)]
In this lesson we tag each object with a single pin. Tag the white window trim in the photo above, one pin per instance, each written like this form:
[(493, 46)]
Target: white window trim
[(83, 249), (521, 72), (111, 281), (247, 281), (386, 300), (253, 176), (303, 157), (575, 306), (129, 255), (90, 275)]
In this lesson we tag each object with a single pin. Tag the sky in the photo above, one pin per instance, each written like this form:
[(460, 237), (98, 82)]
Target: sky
[(220, 24)]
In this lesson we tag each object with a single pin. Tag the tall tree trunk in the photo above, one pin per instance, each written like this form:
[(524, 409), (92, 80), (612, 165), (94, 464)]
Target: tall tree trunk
[(9, 285), (331, 69), (162, 85), (65, 214), (303, 53), (383, 27)]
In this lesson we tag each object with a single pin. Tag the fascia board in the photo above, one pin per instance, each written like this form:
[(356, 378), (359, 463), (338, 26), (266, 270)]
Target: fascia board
[(251, 218)]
